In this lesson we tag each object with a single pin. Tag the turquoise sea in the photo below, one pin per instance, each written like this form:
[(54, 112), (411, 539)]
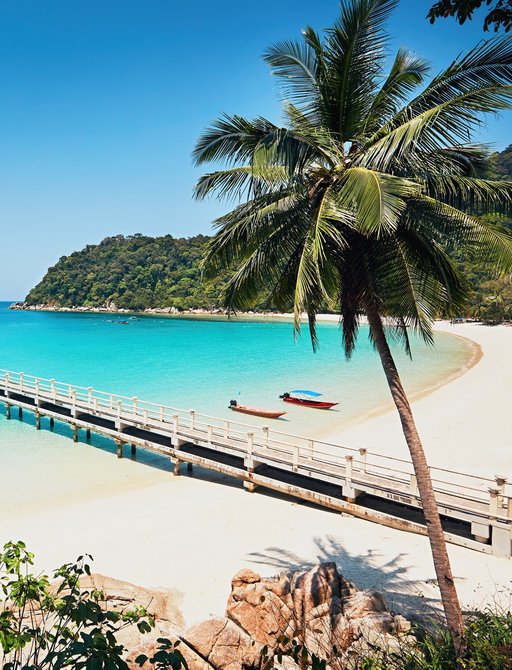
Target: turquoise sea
[(193, 363)]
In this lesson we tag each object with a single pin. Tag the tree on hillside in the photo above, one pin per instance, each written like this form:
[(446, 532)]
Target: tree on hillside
[(501, 164), (500, 15), (353, 201)]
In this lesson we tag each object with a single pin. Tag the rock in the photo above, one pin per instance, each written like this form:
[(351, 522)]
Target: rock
[(224, 645), (318, 608), (361, 603)]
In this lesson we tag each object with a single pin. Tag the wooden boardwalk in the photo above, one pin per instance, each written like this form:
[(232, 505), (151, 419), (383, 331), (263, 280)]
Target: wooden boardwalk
[(476, 512)]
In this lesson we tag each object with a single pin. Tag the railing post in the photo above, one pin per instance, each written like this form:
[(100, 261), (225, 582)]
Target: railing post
[(96, 404), (135, 405), (311, 444), (500, 485), (266, 430), (111, 398), (250, 443), (52, 385), (363, 453), (226, 429), (348, 469), (162, 411), (119, 412), (36, 385), (145, 415), (192, 419), (295, 458), (73, 408), (413, 486), (21, 381), (89, 395), (210, 429), (493, 501)]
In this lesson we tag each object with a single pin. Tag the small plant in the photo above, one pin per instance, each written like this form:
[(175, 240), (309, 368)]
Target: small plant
[(167, 655)]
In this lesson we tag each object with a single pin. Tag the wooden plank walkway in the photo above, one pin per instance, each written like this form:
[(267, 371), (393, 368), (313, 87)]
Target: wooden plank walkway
[(476, 512)]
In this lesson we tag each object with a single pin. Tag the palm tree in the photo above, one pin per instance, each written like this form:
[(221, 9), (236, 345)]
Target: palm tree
[(355, 202)]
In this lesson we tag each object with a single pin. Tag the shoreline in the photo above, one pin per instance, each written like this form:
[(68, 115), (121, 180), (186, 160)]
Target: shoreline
[(461, 421), (473, 360)]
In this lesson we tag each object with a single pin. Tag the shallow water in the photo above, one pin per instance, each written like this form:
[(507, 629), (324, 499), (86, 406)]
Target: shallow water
[(184, 363)]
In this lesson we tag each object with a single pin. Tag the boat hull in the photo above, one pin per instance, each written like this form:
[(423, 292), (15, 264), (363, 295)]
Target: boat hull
[(257, 411), (314, 404)]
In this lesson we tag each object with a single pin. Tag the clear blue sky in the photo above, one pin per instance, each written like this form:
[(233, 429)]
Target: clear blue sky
[(101, 103)]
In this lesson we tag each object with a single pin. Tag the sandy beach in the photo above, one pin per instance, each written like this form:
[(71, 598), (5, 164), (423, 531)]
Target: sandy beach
[(191, 535)]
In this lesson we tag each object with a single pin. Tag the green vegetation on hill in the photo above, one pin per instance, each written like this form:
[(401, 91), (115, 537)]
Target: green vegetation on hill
[(133, 272), (492, 297)]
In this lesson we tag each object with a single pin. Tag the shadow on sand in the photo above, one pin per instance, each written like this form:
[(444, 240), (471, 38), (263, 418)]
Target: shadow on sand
[(416, 599)]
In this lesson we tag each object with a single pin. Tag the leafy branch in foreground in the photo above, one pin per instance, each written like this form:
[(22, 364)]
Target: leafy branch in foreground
[(500, 15), (59, 625)]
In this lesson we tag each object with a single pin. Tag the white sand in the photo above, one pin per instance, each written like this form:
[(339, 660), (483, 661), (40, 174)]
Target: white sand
[(466, 424), (193, 535)]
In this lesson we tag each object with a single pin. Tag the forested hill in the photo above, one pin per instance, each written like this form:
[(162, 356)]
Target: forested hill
[(133, 272)]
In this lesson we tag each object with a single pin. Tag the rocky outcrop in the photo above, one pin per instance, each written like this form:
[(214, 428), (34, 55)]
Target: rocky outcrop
[(316, 608)]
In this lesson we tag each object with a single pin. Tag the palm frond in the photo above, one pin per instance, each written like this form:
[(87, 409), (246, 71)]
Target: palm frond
[(377, 199), (447, 124), (242, 229), (354, 53), (239, 182), (232, 139), (493, 244), (482, 195), (292, 150), (489, 64), (407, 72), (298, 65)]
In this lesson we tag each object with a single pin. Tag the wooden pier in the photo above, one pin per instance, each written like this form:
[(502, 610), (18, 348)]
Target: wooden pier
[(476, 512)]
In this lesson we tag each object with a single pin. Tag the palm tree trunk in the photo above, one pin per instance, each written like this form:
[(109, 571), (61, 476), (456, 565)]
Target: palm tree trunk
[(449, 597)]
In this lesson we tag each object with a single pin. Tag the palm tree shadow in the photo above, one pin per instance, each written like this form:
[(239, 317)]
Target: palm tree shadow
[(418, 600)]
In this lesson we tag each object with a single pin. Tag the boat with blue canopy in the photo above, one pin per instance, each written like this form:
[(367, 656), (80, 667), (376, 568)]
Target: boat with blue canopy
[(309, 399)]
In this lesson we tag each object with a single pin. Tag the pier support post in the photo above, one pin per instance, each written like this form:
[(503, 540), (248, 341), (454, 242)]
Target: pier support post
[(481, 532), (52, 422), (250, 485), (119, 445), (501, 541), (190, 468), (20, 413), (133, 452), (38, 421), (250, 465), (348, 489), (7, 411), (75, 433), (88, 434), (176, 468)]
